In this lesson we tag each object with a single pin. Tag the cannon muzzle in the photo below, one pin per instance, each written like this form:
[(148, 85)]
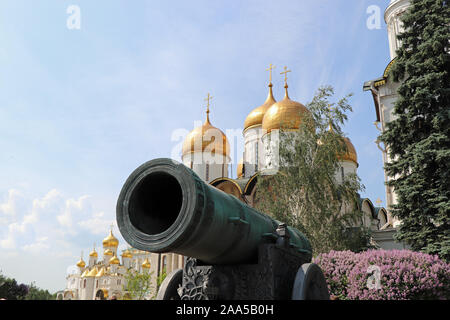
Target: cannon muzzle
[(165, 207)]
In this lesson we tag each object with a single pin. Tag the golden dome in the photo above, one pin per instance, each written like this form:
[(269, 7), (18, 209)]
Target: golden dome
[(114, 260), (108, 252), (93, 254), (146, 264), (81, 263), (284, 114), (240, 168), (255, 118), (350, 155), (127, 254), (206, 138), (110, 240)]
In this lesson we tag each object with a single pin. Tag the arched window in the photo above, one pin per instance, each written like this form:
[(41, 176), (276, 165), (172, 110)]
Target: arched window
[(84, 283)]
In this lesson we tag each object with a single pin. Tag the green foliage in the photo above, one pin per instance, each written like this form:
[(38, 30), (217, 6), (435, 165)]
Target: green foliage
[(11, 290), (35, 293), (138, 285), (161, 278), (305, 193), (418, 139)]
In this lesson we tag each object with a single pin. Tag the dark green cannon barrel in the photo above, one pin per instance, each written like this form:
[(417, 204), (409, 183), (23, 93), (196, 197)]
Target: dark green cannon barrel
[(165, 207)]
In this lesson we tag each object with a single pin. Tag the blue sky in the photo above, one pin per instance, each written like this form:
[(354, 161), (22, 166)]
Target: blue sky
[(81, 109)]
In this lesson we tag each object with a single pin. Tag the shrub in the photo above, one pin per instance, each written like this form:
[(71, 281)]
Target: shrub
[(403, 275)]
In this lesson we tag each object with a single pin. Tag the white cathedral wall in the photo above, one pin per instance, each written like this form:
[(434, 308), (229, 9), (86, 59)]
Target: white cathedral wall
[(253, 151), (217, 165)]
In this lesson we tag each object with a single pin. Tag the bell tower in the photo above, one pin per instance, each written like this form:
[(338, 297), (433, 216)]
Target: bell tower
[(392, 16)]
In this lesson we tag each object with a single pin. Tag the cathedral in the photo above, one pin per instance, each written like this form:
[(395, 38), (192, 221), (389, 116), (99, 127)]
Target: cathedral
[(105, 278)]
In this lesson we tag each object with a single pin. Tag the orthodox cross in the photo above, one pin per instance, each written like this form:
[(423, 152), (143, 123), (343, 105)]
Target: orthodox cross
[(285, 74), (379, 202), (271, 66), (208, 99)]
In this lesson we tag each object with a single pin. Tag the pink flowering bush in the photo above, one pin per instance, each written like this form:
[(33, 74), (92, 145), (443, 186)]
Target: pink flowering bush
[(385, 275)]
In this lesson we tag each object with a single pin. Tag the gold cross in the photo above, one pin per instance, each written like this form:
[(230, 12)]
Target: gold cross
[(112, 226), (271, 66), (285, 74), (208, 99), (379, 201)]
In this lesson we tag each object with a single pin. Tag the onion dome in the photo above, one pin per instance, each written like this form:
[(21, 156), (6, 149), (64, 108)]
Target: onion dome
[(114, 260), (350, 155), (110, 240), (92, 273), (127, 254), (108, 252), (93, 254), (284, 114), (146, 264), (255, 117), (206, 138), (81, 263), (240, 169)]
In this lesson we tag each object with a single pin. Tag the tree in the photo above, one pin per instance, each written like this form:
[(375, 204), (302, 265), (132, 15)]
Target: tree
[(418, 139), (138, 285), (11, 290), (305, 192), (35, 293)]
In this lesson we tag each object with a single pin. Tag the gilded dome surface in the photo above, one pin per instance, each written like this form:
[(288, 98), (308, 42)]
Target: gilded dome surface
[(127, 254), (284, 114), (146, 264), (108, 252), (81, 263), (114, 260), (206, 138), (350, 155), (255, 117), (93, 254), (110, 240)]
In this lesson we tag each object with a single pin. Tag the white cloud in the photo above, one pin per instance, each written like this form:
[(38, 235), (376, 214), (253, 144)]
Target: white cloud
[(97, 224), (53, 223), (39, 246)]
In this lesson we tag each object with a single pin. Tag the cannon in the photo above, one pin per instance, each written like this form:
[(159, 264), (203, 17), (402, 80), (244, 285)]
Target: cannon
[(233, 251)]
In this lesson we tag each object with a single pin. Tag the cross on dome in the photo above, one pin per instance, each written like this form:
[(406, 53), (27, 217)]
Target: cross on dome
[(271, 66)]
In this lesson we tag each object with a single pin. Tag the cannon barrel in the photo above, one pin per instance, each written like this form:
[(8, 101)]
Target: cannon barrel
[(165, 207)]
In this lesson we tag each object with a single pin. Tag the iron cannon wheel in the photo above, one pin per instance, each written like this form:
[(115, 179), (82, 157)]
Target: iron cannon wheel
[(169, 286), (310, 284)]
